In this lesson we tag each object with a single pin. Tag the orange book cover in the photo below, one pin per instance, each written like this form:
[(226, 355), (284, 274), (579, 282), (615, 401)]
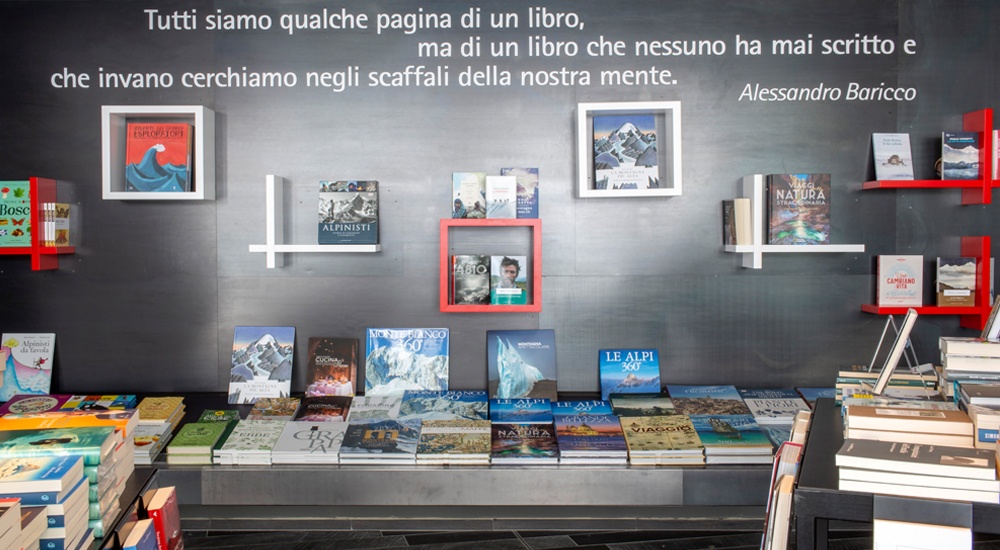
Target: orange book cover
[(124, 421), (158, 157)]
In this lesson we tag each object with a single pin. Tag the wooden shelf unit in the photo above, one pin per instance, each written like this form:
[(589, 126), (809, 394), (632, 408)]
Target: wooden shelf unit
[(43, 258)]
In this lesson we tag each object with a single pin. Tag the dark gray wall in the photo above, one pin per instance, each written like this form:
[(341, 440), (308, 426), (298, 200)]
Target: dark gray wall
[(149, 301)]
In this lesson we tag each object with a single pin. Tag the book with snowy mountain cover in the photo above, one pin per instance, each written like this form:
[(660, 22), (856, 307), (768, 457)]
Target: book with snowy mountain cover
[(893, 157), (593, 406), (332, 368), (798, 209), (960, 155), (262, 363), (375, 407), (629, 371), (445, 405), (521, 411), (27, 361), (158, 157), (400, 359), (521, 363), (956, 281), (625, 152), (527, 190), (348, 212)]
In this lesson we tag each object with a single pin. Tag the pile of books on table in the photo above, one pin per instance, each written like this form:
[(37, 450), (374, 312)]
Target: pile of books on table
[(158, 418)]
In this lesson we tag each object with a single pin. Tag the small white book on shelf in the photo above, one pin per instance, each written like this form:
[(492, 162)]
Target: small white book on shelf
[(893, 157)]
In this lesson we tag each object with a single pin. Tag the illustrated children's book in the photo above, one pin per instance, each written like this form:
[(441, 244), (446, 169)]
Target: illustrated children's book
[(348, 212), (26, 360), (521, 363), (15, 213), (158, 157), (400, 359), (625, 152), (262, 363), (333, 366), (629, 371)]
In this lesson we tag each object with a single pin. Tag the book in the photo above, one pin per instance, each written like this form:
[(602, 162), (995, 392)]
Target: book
[(60, 223), (400, 359), (893, 157), (960, 155), (625, 152), (27, 360), (324, 408), (744, 220), (33, 524), (779, 514), (445, 405), (513, 443), (934, 460), (304, 442), (262, 363), (980, 394), (219, 415), (459, 441), (141, 537), (250, 442), (385, 441), (970, 346), (590, 438), (521, 411), (908, 535), (468, 194), (94, 444), (992, 327), (919, 480), (158, 157), (509, 280), (968, 363), (956, 282), (629, 371), (163, 509), (332, 367), (470, 279), (642, 404), (22, 403), (375, 407), (773, 405), (124, 421), (274, 408), (10, 522), (527, 190), (728, 222), (197, 438), (811, 394), (592, 406), (900, 280), (149, 441), (927, 438), (654, 440), (48, 478), (723, 434), (798, 209), (348, 212), (916, 491), (15, 213), (521, 363), (705, 399), (501, 197), (158, 409)]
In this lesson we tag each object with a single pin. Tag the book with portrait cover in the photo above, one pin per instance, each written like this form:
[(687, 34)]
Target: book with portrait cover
[(527, 190), (625, 152), (470, 279), (348, 212), (514, 443), (509, 280), (893, 157), (26, 359), (15, 213), (158, 157), (400, 359), (521, 363), (468, 194), (956, 282), (900, 280), (798, 209), (332, 368), (960, 155), (262, 363), (629, 371)]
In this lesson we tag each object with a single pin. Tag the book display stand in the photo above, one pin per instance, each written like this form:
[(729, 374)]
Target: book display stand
[(42, 190)]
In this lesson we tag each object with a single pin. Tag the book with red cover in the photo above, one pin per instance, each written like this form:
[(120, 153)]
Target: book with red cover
[(163, 510), (158, 157)]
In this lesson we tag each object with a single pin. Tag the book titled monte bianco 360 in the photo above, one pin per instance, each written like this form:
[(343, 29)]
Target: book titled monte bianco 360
[(798, 209), (158, 157), (262, 363), (629, 371), (900, 280), (348, 212), (400, 359)]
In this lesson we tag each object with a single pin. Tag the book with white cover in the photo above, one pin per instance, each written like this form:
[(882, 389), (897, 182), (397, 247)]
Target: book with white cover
[(912, 458), (374, 407), (900, 280), (907, 535), (969, 345), (501, 197), (309, 443), (893, 157)]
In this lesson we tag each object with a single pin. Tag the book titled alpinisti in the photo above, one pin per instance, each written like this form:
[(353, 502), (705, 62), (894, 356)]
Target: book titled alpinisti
[(262, 363), (625, 154), (524, 443), (400, 359), (798, 209), (470, 279), (773, 405), (15, 213), (348, 212), (900, 280), (960, 155), (629, 371), (724, 399), (27, 360), (527, 190), (893, 158), (521, 363), (158, 157), (956, 281), (333, 366), (468, 194)]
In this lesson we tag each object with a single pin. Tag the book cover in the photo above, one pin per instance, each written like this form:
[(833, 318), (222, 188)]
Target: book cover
[(811, 394), (219, 415), (468, 194), (25, 403), (960, 155), (501, 197), (527, 190), (163, 509), (625, 152), (94, 444), (197, 438), (935, 460), (590, 435), (348, 212), (900, 280), (100, 402), (52, 475), (661, 435), (893, 157), (773, 405), (521, 411), (523, 443), (395, 438), (375, 407), (642, 404), (159, 408), (980, 394), (629, 371), (509, 280), (274, 408), (728, 222), (521, 363), (253, 436), (158, 157), (124, 421), (400, 359), (262, 363), (798, 209), (938, 421), (141, 537), (445, 405), (60, 224), (15, 213), (470, 279), (454, 440), (27, 363), (592, 406), (731, 433), (956, 281), (720, 399), (332, 368), (309, 443), (324, 408)]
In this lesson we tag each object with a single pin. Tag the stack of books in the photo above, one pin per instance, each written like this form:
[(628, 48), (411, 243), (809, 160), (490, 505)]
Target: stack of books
[(158, 418), (968, 360), (195, 442), (10, 522), (903, 384), (724, 423), (588, 432), (457, 441), (445, 405), (388, 441), (986, 422), (918, 470), (34, 522), (774, 409), (302, 442), (523, 431), (274, 408), (909, 424), (249, 443), (53, 486), (665, 440)]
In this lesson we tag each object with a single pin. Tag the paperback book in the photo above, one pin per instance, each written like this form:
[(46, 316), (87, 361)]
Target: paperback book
[(158, 157), (527, 190), (893, 157), (197, 438), (27, 360), (513, 443), (700, 399), (521, 411), (309, 443), (159, 409), (445, 405), (468, 194), (629, 371), (403, 359), (384, 441), (348, 212), (262, 363), (900, 280), (15, 213), (798, 209), (501, 197), (956, 281), (521, 363), (454, 442), (470, 279), (509, 280), (94, 444), (625, 152), (48, 477), (933, 460), (324, 408), (332, 367), (960, 155)]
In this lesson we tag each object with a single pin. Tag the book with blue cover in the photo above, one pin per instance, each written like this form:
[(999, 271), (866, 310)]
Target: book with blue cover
[(40, 480), (527, 190), (400, 359), (521, 363), (594, 406), (590, 438), (704, 399), (629, 371), (445, 405), (521, 411), (731, 434), (94, 444)]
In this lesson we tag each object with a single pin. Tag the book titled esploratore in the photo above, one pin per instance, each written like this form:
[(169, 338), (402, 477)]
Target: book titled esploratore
[(400, 359), (348, 212), (262, 363), (798, 209), (158, 157)]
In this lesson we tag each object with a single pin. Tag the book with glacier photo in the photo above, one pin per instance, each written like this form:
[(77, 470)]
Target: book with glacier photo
[(400, 359), (521, 363)]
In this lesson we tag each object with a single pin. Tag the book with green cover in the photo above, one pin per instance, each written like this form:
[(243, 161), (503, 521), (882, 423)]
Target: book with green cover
[(94, 444), (197, 438)]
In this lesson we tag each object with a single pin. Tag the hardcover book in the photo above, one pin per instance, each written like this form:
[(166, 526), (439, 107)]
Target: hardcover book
[(158, 157), (900, 280), (570, 408), (501, 197), (893, 158), (15, 213), (388, 441), (348, 212), (934, 460), (274, 408), (468, 194), (445, 405), (521, 363), (521, 411), (642, 404), (773, 406), (527, 190), (729, 222), (197, 438), (454, 442), (707, 399), (27, 362), (375, 407), (509, 280), (513, 443), (798, 209), (731, 434), (470, 279), (324, 408), (400, 359), (956, 281), (593, 436), (625, 152), (333, 366), (629, 371), (960, 155), (661, 436), (309, 443), (262, 363), (969, 345), (251, 442)]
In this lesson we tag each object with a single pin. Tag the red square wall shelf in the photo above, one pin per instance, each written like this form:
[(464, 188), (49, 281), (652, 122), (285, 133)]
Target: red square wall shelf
[(42, 190)]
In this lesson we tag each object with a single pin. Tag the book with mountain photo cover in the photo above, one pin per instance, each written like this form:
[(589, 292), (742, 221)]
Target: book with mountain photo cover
[(629, 371), (400, 359)]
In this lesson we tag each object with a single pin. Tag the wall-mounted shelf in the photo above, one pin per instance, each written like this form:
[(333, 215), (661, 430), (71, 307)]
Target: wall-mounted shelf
[(977, 191), (753, 188), (275, 232), (113, 124), (973, 317), (41, 190), (535, 304)]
